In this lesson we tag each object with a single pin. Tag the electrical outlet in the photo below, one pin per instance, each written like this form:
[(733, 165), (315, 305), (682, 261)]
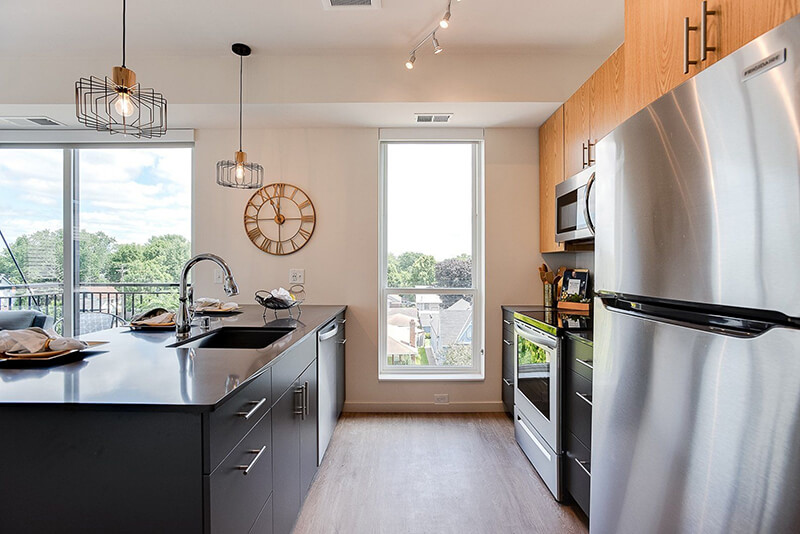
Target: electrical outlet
[(441, 398), (297, 276), (217, 276)]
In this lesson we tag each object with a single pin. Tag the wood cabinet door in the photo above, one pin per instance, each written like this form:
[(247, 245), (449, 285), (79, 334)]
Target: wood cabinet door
[(654, 34), (608, 104), (577, 127), (551, 172), (737, 22)]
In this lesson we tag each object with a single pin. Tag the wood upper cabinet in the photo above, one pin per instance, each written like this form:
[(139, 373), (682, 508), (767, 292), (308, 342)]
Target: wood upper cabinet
[(551, 172), (608, 102), (577, 128)]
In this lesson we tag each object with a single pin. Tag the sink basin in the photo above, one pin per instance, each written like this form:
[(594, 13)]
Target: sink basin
[(236, 337)]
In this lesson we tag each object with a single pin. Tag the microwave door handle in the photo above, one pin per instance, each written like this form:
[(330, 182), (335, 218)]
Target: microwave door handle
[(586, 214)]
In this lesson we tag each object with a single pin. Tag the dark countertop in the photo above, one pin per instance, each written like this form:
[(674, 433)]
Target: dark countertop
[(555, 321), (138, 368)]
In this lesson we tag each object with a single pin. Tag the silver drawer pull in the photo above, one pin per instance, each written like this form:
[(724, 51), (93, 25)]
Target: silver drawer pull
[(506, 321), (507, 382), (507, 342), (343, 321), (246, 468), (586, 398), (253, 410), (342, 342), (585, 362), (583, 464), (300, 410)]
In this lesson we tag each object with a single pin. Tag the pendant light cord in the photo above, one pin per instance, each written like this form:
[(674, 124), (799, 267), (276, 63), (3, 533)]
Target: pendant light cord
[(241, 60), (124, 9)]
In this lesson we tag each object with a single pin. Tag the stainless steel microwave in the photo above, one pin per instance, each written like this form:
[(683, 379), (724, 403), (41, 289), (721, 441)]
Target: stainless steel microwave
[(575, 207)]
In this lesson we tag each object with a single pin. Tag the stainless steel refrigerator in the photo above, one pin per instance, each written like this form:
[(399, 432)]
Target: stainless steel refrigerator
[(696, 423)]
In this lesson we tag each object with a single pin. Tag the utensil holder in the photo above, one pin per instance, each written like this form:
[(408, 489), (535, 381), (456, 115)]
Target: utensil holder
[(549, 295)]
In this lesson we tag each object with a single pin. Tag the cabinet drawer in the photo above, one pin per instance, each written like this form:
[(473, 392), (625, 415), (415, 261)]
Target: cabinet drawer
[(580, 357), (579, 411), (577, 472), (292, 364), (508, 320), (230, 422), (263, 524), (240, 486)]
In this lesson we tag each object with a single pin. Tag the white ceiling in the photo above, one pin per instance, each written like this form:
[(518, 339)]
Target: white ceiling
[(90, 28)]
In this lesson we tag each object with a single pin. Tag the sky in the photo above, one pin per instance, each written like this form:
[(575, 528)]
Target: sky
[(130, 194), (429, 191)]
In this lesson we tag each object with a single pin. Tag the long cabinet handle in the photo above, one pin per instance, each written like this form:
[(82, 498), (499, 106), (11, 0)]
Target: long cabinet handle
[(585, 398), (584, 151), (585, 362), (704, 48), (258, 452), (686, 29), (342, 342), (506, 321), (583, 464), (507, 382), (254, 409), (300, 390), (507, 342), (589, 158), (306, 399)]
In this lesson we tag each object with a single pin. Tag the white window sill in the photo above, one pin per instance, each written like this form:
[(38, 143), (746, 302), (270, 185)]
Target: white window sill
[(428, 377)]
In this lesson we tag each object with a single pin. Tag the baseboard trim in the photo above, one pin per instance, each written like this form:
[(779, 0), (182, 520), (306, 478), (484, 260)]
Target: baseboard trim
[(424, 407)]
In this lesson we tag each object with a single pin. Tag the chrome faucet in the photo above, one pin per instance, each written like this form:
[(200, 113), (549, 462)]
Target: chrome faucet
[(183, 324)]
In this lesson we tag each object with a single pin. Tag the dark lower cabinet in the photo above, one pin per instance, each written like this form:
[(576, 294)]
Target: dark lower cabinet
[(294, 441), (578, 371), (509, 362), (263, 524)]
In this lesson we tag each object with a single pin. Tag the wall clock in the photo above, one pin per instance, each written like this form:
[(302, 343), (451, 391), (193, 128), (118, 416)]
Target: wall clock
[(279, 219)]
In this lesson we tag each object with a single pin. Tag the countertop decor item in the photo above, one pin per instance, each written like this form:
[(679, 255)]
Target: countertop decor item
[(275, 300), (49, 358), (279, 219), (119, 104), (573, 290), (239, 173)]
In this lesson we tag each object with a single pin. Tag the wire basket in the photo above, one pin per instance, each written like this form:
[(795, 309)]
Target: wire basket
[(265, 299)]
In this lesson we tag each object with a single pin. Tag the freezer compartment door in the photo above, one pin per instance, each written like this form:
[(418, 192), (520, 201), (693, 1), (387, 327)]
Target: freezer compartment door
[(693, 431), (698, 194)]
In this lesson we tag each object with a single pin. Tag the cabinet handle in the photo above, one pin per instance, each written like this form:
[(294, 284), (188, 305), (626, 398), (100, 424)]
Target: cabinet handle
[(507, 382), (506, 321), (585, 362), (585, 398), (253, 410), (343, 321), (342, 342), (686, 29), (704, 48), (246, 468), (507, 342), (589, 158), (306, 400), (583, 464), (301, 409), (584, 150)]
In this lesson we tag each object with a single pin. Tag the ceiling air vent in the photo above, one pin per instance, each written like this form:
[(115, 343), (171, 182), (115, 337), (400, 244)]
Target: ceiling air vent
[(351, 4), (27, 122), (430, 118)]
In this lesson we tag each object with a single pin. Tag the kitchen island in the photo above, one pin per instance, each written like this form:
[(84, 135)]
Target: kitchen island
[(145, 436)]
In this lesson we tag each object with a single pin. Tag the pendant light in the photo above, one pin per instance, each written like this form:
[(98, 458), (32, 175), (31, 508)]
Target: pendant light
[(239, 173), (119, 104)]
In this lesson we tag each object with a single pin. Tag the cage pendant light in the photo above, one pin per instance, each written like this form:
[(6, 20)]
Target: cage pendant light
[(119, 105), (240, 173)]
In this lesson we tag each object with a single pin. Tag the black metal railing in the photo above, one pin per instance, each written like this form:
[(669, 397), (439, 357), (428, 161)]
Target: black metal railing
[(122, 300)]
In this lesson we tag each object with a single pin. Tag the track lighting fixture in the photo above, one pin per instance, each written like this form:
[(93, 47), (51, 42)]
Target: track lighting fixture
[(437, 48)]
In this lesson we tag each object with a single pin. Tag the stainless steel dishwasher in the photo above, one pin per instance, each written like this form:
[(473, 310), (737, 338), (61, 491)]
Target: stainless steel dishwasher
[(330, 372)]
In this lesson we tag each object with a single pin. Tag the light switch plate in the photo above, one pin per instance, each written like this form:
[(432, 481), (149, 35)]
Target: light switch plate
[(297, 276)]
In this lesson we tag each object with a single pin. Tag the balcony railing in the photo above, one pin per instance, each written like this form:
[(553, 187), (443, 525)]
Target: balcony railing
[(122, 301)]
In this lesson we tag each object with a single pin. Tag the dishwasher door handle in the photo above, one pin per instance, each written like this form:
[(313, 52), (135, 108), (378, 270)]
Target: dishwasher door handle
[(329, 333)]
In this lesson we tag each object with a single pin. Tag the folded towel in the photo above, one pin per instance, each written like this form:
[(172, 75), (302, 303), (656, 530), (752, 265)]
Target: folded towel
[(207, 304), (282, 294), (166, 318), (31, 340)]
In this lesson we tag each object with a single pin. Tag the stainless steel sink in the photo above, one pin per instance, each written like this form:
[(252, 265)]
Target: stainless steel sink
[(236, 337)]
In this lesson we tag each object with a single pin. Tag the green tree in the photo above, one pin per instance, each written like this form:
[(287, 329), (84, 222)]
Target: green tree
[(39, 256), (95, 252), (454, 272), (170, 251), (422, 272)]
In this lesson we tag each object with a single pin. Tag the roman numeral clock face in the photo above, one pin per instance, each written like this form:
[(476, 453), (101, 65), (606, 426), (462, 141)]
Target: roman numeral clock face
[(279, 219)]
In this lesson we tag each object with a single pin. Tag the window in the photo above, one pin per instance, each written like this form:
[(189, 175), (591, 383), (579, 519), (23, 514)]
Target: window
[(131, 225), (431, 262)]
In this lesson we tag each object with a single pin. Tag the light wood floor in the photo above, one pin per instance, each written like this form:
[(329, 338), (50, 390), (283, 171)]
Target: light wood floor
[(430, 473)]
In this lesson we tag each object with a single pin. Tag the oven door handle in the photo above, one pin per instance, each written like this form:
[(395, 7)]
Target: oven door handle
[(534, 338)]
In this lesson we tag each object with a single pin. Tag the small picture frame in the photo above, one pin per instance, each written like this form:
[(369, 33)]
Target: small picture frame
[(574, 290)]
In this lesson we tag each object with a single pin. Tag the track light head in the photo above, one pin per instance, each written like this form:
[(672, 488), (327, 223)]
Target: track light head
[(436, 48), (411, 59), (445, 22)]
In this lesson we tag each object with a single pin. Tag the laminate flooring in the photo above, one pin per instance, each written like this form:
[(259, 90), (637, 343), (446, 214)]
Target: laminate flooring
[(430, 473)]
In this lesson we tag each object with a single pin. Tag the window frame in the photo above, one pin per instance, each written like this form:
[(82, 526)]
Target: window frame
[(424, 373), (71, 143)]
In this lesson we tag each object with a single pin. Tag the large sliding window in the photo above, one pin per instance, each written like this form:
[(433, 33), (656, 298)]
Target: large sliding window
[(431, 260), (128, 215)]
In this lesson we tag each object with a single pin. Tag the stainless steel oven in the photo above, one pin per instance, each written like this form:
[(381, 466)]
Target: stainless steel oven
[(537, 410), (575, 207)]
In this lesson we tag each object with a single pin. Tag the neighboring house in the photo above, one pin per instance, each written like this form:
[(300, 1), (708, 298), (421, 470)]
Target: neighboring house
[(453, 326)]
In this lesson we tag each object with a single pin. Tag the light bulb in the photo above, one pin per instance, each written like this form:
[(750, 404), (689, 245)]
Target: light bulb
[(436, 48), (239, 171), (445, 22), (123, 105), (410, 62)]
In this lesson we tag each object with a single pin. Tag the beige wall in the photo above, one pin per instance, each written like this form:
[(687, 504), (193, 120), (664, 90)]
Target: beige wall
[(338, 168)]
